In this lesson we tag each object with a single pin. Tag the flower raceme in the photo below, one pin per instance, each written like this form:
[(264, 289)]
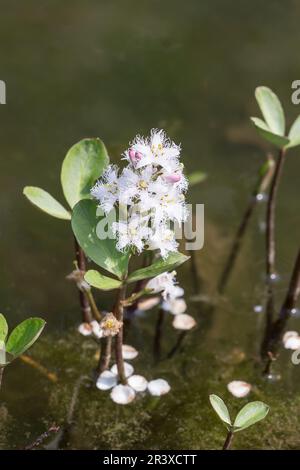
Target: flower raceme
[(148, 192)]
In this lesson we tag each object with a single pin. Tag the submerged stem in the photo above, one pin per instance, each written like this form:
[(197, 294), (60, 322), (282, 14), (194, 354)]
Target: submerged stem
[(118, 312), (228, 441), (1, 375), (105, 354), (83, 300)]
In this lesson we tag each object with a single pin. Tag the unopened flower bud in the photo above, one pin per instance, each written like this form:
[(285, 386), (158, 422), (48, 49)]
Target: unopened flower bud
[(174, 178), (134, 156)]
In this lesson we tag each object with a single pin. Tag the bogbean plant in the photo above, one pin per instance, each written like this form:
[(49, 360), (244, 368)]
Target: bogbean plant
[(20, 339), (83, 164), (250, 414)]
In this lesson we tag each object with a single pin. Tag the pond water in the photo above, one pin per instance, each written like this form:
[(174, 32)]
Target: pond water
[(114, 69)]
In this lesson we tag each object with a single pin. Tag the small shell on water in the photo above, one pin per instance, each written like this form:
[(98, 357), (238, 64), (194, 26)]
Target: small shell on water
[(238, 388), (291, 340), (122, 394), (183, 321), (106, 380), (85, 329), (175, 306), (127, 367), (129, 352), (138, 383), (147, 304), (158, 387)]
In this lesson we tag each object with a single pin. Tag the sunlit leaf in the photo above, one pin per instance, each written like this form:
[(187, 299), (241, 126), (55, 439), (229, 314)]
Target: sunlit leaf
[(102, 251), (3, 329), (271, 109), (158, 267), (221, 409), (45, 202), (24, 335), (196, 177), (265, 132), (98, 280), (82, 166), (294, 134), (250, 414)]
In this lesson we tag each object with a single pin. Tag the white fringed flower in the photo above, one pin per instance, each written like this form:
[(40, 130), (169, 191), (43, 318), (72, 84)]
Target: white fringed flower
[(291, 340), (165, 284), (238, 388), (158, 387), (122, 394)]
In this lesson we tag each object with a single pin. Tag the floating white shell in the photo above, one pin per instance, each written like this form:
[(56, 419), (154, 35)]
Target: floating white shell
[(96, 329), (129, 352), (183, 321), (138, 383), (158, 387), (106, 380), (127, 367), (175, 306), (85, 329), (289, 334), (238, 388), (122, 394), (147, 304), (291, 340)]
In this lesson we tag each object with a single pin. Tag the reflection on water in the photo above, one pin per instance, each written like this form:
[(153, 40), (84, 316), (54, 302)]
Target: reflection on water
[(80, 69)]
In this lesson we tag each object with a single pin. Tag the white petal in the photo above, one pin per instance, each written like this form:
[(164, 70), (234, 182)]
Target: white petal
[(293, 342), (106, 380), (148, 303), (158, 387), (138, 383), (129, 352), (85, 329), (182, 321), (122, 394), (127, 367), (238, 388), (175, 306)]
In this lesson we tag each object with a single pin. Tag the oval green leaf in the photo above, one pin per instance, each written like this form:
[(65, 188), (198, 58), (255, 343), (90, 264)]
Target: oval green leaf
[(24, 335), (271, 109), (82, 166), (45, 202), (102, 252), (221, 409), (98, 280), (294, 134), (251, 413), (265, 132), (158, 267), (3, 329), (196, 177)]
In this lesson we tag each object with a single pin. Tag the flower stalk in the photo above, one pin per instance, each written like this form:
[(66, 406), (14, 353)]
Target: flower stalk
[(83, 300), (228, 441), (118, 312), (1, 375)]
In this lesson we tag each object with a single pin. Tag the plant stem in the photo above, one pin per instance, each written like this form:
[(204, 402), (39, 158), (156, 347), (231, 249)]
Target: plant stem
[(1, 375), (158, 335), (95, 311), (105, 354), (84, 303), (228, 441), (118, 312)]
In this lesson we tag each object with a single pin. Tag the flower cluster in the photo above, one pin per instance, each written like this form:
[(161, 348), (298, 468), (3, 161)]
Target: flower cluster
[(148, 192), (109, 326)]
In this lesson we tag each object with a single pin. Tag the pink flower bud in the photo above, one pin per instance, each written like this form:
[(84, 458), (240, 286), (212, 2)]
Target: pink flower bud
[(134, 156), (174, 178)]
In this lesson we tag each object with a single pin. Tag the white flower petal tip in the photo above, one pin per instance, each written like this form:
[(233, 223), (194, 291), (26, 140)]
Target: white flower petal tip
[(158, 387), (85, 329), (147, 304), (175, 306), (129, 352), (291, 340), (96, 329), (127, 368), (122, 394), (183, 321), (238, 388), (138, 383), (106, 380)]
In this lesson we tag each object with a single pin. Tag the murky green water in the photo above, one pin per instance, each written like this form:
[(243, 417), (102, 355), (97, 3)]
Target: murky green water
[(112, 69)]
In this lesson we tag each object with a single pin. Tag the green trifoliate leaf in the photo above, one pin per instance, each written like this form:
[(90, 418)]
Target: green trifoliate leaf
[(294, 134), (3, 329), (24, 335), (98, 280), (158, 267), (265, 132), (250, 414), (82, 166), (271, 109), (102, 251), (196, 177), (45, 202), (221, 409)]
